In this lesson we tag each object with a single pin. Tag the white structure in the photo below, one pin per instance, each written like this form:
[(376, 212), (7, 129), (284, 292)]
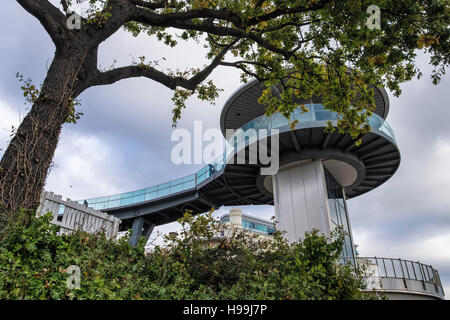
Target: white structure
[(71, 216), (301, 202)]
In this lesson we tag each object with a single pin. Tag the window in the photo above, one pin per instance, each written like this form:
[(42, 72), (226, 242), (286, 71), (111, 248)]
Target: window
[(338, 212)]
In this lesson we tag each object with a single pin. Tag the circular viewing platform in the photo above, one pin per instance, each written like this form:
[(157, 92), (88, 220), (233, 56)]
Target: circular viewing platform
[(400, 279)]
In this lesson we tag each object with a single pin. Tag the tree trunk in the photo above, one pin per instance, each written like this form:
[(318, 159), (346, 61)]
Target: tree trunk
[(27, 160)]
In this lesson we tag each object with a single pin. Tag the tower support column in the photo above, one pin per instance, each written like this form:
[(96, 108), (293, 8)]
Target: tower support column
[(301, 200)]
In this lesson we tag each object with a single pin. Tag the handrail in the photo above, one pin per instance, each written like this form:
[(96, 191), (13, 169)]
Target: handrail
[(397, 268)]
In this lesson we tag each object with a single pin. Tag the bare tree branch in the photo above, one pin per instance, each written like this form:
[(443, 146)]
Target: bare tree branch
[(50, 17), (151, 5), (172, 82), (148, 17), (65, 5)]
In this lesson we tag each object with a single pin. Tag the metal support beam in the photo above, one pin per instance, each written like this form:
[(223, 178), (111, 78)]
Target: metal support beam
[(136, 231), (326, 140), (295, 141), (141, 228), (148, 229)]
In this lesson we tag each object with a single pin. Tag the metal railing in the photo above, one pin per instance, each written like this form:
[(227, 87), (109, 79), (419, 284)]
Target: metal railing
[(378, 268)]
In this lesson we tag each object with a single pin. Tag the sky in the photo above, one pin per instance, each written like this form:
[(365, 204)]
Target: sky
[(122, 142)]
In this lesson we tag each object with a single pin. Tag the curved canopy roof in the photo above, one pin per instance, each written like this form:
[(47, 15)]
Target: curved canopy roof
[(243, 106)]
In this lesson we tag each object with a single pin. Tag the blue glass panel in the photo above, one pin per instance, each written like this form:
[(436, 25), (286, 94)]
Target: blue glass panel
[(164, 185), (151, 189), (151, 195), (139, 198), (189, 178), (163, 192), (90, 202), (101, 205), (325, 115), (305, 117), (139, 192), (102, 199), (113, 203), (278, 120), (317, 107), (114, 197), (333, 211), (126, 199), (177, 188), (176, 182), (188, 185)]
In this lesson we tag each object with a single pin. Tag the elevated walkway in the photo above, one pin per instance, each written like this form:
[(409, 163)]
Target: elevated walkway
[(225, 183)]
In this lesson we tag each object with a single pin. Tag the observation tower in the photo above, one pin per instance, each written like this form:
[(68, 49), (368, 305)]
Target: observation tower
[(318, 172)]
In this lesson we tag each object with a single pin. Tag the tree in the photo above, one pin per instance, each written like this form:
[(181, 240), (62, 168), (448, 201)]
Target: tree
[(296, 48)]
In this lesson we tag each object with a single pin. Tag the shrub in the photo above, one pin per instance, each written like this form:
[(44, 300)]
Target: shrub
[(34, 261)]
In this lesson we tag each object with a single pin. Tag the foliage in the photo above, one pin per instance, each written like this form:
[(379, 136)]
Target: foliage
[(307, 47), (296, 48), (34, 262)]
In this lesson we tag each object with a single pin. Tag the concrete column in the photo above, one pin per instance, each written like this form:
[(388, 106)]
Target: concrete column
[(301, 200), (236, 217)]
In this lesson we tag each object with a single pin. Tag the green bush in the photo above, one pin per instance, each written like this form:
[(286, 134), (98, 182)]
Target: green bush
[(191, 265)]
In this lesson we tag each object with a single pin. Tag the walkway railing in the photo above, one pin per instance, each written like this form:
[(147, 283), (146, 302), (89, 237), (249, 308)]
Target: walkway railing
[(409, 273), (71, 216)]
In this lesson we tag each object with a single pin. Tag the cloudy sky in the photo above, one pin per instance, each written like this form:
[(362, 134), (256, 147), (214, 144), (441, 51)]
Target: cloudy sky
[(122, 142)]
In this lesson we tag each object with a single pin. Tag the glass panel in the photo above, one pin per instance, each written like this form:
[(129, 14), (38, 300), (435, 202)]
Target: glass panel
[(398, 269), (325, 115), (405, 270), (114, 197), (126, 201), (305, 117), (176, 182), (381, 267), (164, 185), (177, 188), (418, 271), (151, 195), (189, 178), (102, 199), (163, 192), (151, 189), (278, 120), (139, 192), (188, 185), (139, 198), (332, 205), (102, 205), (412, 273), (113, 203)]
